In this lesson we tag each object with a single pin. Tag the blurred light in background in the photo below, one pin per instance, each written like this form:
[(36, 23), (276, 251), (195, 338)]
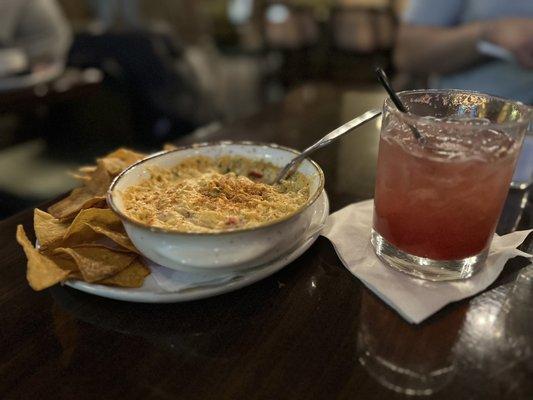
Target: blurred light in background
[(240, 11), (277, 14)]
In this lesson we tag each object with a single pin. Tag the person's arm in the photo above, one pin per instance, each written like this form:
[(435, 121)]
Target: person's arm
[(424, 49), (515, 35)]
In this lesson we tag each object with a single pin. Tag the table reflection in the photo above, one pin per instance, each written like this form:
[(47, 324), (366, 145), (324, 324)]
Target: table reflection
[(495, 346), (421, 364), (199, 331), (168, 327)]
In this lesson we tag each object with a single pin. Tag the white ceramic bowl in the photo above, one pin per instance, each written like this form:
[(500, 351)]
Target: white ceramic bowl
[(219, 251)]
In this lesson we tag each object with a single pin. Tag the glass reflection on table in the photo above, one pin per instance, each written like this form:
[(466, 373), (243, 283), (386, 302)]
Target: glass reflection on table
[(495, 345), (422, 365)]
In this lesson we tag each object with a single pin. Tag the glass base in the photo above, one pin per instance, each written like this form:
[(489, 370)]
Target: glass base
[(426, 268), (404, 380)]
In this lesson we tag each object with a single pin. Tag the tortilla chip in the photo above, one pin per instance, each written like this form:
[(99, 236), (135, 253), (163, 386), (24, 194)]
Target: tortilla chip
[(83, 173), (130, 277), (114, 166), (93, 224), (78, 176), (79, 232), (96, 181), (68, 250), (65, 262), (100, 180), (97, 262), (49, 230), (79, 199), (169, 146), (87, 169), (76, 275), (119, 237), (41, 272), (126, 155), (119, 160)]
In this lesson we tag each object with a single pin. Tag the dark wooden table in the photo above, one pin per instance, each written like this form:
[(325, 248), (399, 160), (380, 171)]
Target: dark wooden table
[(300, 334)]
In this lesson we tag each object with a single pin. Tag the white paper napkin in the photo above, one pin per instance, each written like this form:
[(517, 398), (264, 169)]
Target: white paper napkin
[(176, 281), (349, 229)]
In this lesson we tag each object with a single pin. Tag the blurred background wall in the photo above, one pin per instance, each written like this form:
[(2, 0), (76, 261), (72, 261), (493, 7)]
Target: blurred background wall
[(139, 73)]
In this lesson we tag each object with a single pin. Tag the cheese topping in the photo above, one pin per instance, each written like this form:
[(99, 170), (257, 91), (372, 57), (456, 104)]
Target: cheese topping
[(203, 194)]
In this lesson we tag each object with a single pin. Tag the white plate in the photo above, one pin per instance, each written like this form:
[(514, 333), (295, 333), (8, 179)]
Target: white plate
[(151, 292)]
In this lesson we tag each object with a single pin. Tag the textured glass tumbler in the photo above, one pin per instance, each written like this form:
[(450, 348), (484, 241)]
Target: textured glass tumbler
[(437, 200)]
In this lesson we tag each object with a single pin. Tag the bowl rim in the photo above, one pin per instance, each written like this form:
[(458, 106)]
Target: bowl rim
[(311, 200)]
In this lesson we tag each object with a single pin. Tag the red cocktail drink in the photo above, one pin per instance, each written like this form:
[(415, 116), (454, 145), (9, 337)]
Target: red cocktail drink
[(439, 208), (437, 202)]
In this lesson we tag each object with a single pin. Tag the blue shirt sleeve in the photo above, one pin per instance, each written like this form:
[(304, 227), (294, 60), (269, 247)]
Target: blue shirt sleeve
[(434, 12)]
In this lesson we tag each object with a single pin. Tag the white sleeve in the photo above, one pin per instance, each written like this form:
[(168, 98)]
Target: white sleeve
[(42, 30)]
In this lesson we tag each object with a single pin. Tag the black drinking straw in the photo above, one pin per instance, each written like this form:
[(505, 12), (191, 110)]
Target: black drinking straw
[(382, 77)]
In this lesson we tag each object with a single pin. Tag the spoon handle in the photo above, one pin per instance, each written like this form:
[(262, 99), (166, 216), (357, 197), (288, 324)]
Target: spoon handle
[(330, 137)]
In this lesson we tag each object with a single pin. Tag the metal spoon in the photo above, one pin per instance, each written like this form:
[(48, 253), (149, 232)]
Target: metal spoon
[(330, 137)]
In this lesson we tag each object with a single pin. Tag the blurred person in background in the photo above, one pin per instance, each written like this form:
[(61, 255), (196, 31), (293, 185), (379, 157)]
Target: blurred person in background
[(144, 63), (444, 41), (117, 12), (37, 28)]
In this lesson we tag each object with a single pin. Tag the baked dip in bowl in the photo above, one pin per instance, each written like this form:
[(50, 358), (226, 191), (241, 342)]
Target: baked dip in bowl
[(210, 206)]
